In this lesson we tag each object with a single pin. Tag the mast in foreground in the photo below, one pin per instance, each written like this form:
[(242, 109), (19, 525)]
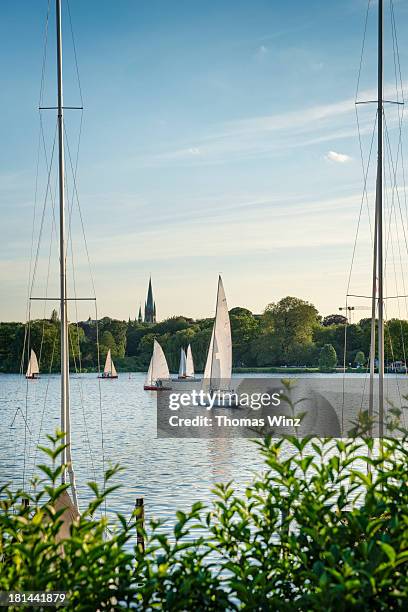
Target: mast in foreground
[(65, 400), (378, 264)]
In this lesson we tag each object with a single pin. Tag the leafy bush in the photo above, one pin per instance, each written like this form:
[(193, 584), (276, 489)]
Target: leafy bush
[(324, 527)]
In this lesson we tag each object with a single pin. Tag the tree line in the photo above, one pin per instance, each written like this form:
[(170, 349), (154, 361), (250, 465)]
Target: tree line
[(290, 332)]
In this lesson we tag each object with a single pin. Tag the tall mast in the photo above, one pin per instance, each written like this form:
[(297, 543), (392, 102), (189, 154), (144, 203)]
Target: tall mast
[(378, 264), (65, 404), (379, 214)]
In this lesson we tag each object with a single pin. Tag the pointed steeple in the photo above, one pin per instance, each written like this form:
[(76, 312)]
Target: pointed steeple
[(150, 306), (139, 317)]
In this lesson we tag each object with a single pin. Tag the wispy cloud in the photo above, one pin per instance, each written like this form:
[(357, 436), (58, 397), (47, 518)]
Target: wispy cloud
[(261, 52), (265, 135), (338, 158)]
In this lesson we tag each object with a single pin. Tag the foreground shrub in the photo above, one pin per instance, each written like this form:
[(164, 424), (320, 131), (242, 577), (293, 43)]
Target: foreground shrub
[(324, 527)]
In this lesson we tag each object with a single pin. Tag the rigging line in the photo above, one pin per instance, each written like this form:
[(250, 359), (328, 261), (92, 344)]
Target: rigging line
[(397, 67), (75, 53), (29, 285), (365, 194), (388, 248), (403, 283), (81, 220), (80, 389), (356, 110), (44, 403), (48, 191), (44, 55), (87, 438), (100, 396), (361, 206), (344, 370), (46, 290), (26, 416), (29, 288), (70, 243), (397, 48), (43, 215), (396, 376), (53, 229), (394, 55), (387, 205), (395, 190), (362, 49)]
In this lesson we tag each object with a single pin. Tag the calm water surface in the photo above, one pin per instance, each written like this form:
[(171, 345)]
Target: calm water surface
[(114, 421), (169, 473)]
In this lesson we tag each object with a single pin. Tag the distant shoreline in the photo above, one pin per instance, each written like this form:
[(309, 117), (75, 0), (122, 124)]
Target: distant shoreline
[(242, 370)]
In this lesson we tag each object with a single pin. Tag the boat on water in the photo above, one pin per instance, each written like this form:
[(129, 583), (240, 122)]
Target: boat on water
[(189, 363), (183, 364), (33, 370), (158, 374), (218, 368), (186, 372), (109, 371)]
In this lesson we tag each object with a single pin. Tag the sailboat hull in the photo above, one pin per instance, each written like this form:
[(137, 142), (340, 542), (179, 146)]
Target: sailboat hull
[(156, 388), (108, 376), (32, 376)]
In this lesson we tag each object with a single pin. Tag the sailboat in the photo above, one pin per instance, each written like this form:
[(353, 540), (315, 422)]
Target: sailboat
[(189, 363), (158, 372), (109, 371), (218, 367), (33, 371), (183, 364)]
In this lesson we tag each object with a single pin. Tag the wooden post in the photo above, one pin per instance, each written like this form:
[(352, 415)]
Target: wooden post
[(139, 512)]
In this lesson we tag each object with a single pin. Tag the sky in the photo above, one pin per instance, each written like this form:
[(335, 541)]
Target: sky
[(217, 137)]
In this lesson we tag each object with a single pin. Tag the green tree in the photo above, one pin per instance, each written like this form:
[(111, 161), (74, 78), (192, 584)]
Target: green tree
[(359, 359), (290, 324), (245, 328), (107, 342), (334, 319), (327, 358)]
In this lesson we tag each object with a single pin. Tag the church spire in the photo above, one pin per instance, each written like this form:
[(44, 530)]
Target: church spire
[(139, 317), (150, 306)]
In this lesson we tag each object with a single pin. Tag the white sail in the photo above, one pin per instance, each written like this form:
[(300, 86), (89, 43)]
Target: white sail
[(183, 364), (189, 363), (109, 369), (219, 359), (33, 368), (158, 368)]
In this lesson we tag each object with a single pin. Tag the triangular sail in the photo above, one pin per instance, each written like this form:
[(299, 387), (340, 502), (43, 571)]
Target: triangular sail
[(109, 370), (113, 369), (32, 365), (108, 363), (158, 368), (189, 363), (183, 364), (219, 359)]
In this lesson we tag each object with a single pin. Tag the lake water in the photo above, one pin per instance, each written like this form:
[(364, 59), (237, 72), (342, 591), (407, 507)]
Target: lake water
[(169, 473)]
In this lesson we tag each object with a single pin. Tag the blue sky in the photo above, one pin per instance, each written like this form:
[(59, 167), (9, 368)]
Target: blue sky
[(217, 137)]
